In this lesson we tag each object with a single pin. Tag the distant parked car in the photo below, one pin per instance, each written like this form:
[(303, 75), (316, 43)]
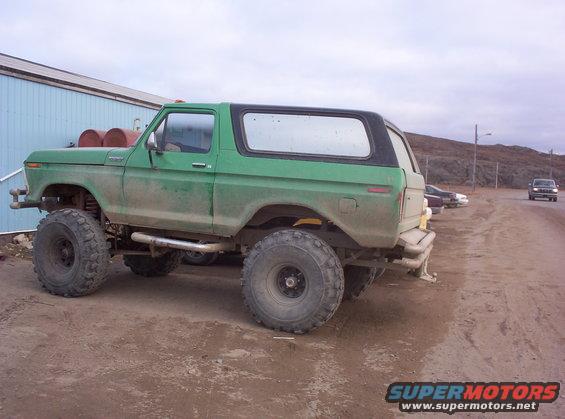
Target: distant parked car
[(449, 198), (435, 203), (543, 188), (462, 200)]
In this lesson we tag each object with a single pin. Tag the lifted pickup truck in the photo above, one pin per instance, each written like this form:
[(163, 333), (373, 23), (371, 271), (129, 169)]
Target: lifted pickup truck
[(232, 177)]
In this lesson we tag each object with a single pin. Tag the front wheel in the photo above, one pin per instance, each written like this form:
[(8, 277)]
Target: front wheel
[(70, 253), (292, 281)]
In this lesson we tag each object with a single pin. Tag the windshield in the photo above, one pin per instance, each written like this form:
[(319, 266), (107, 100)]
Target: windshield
[(544, 182), (434, 189)]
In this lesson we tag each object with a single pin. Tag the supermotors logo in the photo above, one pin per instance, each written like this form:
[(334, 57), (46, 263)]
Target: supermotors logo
[(451, 397)]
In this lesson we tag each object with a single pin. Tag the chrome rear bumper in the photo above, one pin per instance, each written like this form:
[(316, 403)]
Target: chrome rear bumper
[(413, 249)]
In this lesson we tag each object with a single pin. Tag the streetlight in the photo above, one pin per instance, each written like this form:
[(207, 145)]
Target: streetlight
[(475, 156)]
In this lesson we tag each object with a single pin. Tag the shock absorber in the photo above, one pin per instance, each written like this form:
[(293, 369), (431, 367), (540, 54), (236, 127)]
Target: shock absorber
[(91, 206)]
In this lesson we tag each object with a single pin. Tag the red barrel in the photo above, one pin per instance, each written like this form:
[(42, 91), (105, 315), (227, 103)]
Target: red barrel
[(91, 138), (120, 137)]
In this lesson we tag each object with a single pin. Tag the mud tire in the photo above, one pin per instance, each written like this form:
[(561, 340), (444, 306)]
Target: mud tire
[(70, 253), (358, 279), (319, 275), (150, 267)]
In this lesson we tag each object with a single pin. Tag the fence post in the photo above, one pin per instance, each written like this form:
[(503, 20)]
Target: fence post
[(496, 177), (426, 172)]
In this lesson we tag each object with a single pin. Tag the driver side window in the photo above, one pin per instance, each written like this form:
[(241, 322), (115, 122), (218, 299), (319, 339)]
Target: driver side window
[(186, 132)]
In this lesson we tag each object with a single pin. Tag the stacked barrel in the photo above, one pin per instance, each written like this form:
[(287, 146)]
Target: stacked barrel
[(115, 137), (91, 138)]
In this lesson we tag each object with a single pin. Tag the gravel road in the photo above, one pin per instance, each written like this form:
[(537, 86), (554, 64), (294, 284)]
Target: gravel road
[(184, 346)]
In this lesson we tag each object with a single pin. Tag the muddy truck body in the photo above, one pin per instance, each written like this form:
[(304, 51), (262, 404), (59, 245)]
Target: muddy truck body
[(232, 177)]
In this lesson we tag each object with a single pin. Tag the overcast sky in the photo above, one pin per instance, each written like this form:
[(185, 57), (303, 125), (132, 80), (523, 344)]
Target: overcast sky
[(432, 67)]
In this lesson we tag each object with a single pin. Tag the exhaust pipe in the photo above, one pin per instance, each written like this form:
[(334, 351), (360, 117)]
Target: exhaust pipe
[(181, 244)]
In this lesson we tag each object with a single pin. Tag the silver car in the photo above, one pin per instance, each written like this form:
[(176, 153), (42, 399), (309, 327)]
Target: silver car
[(543, 188)]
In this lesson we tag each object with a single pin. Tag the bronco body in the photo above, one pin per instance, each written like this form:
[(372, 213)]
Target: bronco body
[(231, 177)]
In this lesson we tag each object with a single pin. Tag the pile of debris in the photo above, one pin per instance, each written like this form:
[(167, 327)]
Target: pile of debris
[(20, 247)]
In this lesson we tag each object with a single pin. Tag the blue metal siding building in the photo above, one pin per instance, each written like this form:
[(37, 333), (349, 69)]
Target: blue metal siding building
[(42, 108)]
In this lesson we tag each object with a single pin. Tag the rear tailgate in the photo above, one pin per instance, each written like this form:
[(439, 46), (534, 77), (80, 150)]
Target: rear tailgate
[(413, 195)]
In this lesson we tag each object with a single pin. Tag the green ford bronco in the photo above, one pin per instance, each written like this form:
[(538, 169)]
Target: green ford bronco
[(243, 178)]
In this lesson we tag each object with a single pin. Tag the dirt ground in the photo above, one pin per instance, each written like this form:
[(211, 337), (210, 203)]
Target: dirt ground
[(184, 346)]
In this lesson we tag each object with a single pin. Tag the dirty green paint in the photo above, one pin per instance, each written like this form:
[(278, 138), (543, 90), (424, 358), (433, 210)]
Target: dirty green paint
[(222, 197), (86, 155), (103, 182)]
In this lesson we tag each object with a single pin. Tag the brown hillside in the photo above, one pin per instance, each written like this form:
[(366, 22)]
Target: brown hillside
[(452, 162)]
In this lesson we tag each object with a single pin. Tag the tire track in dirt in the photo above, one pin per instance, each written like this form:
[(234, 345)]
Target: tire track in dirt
[(509, 317)]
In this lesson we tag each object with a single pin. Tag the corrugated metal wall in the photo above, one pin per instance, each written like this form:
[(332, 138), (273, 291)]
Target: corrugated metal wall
[(37, 116)]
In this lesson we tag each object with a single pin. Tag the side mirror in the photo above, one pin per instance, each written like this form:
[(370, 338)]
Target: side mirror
[(151, 143)]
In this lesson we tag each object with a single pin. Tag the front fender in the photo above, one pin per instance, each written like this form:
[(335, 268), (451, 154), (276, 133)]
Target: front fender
[(103, 182)]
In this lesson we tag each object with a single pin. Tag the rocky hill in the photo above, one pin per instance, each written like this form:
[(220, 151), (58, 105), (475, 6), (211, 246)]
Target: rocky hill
[(451, 162)]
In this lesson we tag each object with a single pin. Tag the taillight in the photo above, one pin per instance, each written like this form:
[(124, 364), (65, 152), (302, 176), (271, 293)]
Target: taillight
[(377, 189), (400, 199)]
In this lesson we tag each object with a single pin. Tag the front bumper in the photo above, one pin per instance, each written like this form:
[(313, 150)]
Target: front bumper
[(463, 202), (544, 194), (17, 204), (449, 202)]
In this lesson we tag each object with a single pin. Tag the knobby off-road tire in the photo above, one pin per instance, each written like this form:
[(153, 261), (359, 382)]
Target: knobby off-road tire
[(70, 254), (159, 266), (292, 281), (358, 279)]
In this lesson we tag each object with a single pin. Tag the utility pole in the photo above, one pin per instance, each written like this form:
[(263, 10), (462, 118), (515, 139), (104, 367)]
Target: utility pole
[(475, 158), (496, 177), (426, 173), (550, 168), (477, 136)]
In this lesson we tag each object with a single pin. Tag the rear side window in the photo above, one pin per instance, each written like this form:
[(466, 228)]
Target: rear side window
[(306, 134), (186, 132), (404, 160)]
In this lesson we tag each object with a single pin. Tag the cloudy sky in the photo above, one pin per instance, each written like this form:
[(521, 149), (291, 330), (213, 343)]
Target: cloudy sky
[(432, 67)]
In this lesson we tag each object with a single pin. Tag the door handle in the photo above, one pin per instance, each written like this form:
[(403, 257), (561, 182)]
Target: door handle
[(199, 165)]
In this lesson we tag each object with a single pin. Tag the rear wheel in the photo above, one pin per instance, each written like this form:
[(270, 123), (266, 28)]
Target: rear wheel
[(150, 266), (358, 279), (292, 281), (70, 253)]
